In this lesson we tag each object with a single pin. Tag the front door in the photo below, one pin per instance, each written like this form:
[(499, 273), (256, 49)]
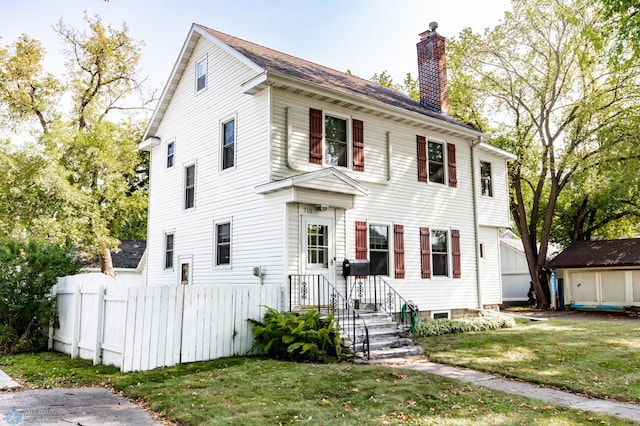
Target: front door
[(318, 246)]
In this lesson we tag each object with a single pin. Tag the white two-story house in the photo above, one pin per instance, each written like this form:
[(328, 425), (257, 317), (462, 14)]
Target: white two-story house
[(265, 166)]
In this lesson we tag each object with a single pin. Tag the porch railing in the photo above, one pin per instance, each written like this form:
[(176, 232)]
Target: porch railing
[(373, 293), (317, 292)]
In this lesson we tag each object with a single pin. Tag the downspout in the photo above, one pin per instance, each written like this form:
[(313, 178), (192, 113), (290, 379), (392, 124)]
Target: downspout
[(476, 226)]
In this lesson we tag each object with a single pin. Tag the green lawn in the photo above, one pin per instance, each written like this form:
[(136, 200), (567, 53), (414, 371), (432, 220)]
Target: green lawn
[(254, 391), (600, 359)]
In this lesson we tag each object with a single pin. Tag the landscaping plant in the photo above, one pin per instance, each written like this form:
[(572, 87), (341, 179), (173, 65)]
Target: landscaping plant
[(442, 326), (297, 336), (28, 271)]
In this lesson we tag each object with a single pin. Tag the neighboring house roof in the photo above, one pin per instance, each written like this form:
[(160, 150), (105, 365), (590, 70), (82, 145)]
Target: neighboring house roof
[(590, 254), (268, 62), (129, 256)]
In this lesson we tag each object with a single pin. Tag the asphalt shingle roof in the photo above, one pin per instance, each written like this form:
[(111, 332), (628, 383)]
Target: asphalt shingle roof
[(304, 70), (128, 257), (585, 254)]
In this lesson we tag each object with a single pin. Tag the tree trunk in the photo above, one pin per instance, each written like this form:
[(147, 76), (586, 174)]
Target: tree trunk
[(106, 264)]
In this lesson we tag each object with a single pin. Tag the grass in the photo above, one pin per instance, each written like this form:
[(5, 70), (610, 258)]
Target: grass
[(255, 391), (599, 358)]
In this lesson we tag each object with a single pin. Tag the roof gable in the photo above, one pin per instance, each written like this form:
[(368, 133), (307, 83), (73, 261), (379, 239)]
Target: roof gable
[(329, 179), (589, 254)]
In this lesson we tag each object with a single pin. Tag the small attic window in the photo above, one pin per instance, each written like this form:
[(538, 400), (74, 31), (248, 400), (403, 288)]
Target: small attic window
[(201, 75)]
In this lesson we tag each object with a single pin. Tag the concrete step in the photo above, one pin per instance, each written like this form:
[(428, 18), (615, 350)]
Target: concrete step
[(402, 352)]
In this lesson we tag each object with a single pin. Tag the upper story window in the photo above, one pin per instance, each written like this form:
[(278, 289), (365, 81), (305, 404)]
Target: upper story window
[(485, 179), (333, 142), (223, 243), (436, 162), (201, 75), (171, 149), (168, 251), (336, 144), (431, 162), (189, 186), (440, 252), (228, 144), (379, 249)]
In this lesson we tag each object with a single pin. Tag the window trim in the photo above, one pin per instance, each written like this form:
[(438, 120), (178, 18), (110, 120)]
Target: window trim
[(185, 188), (171, 156), (433, 252), (440, 312), (445, 162), (390, 248), (349, 141), (216, 223), (223, 122), (206, 74), (482, 180), (166, 251)]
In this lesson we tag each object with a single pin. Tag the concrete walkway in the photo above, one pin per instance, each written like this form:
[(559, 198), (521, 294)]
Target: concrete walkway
[(78, 406), (620, 409)]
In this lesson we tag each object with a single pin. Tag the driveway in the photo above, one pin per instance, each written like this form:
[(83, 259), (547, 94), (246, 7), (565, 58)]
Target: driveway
[(572, 315), (77, 406)]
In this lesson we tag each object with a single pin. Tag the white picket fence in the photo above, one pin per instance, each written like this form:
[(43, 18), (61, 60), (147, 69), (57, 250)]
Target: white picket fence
[(144, 327)]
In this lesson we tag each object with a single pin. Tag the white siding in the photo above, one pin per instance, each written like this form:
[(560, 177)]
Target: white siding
[(194, 122), (493, 211), (490, 274), (402, 200)]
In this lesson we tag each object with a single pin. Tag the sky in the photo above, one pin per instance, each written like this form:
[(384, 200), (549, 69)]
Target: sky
[(364, 36)]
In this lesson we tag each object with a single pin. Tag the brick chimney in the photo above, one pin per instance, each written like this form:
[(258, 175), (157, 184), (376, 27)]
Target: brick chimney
[(432, 70)]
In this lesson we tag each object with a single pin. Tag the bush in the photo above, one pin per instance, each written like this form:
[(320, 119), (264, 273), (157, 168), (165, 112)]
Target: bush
[(28, 270), (297, 336), (439, 327)]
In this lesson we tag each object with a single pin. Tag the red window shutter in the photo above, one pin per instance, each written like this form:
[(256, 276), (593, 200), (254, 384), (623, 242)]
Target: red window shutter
[(398, 248), (361, 240), (422, 158), (425, 252), (451, 159), (455, 253), (358, 145), (315, 136)]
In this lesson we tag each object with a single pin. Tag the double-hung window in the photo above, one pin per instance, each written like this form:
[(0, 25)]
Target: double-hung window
[(440, 252), (201, 75), (171, 150), (379, 249), (336, 144), (168, 251), (189, 186), (223, 243), (485, 179), (228, 143), (436, 162)]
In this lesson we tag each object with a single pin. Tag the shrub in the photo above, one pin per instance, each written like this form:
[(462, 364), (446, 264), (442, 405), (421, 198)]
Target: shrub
[(439, 327), (297, 336), (28, 270)]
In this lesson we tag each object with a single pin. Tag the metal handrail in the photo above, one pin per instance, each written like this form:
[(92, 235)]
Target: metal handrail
[(317, 292), (373, 293)]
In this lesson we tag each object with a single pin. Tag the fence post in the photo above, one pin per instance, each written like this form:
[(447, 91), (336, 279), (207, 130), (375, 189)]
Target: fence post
[(77, 310), (97, 349), (54, 293)]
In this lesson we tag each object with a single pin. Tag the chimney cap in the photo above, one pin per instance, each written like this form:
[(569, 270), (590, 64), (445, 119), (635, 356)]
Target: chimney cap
[(433, 26)]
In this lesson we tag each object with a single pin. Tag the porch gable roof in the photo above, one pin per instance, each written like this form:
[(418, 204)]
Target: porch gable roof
[(328, 179)]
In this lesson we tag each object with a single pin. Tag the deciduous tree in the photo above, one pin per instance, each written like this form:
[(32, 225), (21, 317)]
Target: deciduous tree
[(545, 77), (83, 153)]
